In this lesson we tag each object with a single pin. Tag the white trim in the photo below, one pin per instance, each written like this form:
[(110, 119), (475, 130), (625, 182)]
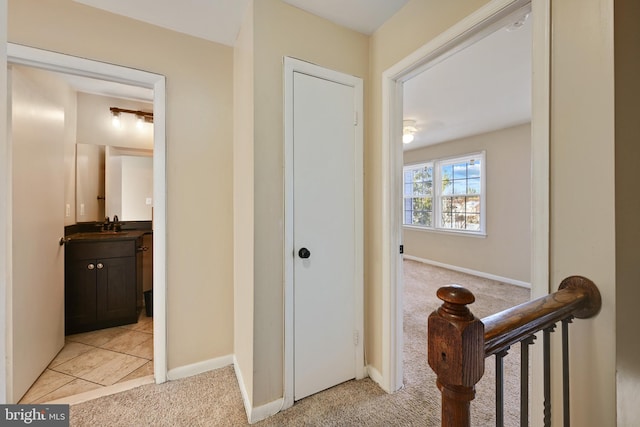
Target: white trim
[(482, 274), (54, 61), (483, 21), (436, 193), (540, 136), (540, 191), (292, 65), (262, 412), (199, 367), (258, 413), (374, 374)]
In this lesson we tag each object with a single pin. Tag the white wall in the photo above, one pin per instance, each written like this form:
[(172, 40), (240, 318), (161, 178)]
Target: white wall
[(506, 249)]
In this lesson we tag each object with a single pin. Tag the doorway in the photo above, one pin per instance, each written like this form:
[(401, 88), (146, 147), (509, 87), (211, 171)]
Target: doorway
[(51, 61), (323, 229), (484, 21)]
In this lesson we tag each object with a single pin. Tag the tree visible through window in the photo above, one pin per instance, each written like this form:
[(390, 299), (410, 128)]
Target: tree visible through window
[(446, 194), (418, 195)]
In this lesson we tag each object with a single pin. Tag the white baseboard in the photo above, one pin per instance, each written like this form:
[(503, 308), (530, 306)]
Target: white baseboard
[(199, 367), (376, 377), (470, 271), (258, 413)]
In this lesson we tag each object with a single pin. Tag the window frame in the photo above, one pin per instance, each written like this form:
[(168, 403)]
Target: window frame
[(438, 194)]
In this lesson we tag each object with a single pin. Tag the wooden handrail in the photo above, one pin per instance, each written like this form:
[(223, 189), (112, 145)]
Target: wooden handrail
[(458, 342), (576, 296)]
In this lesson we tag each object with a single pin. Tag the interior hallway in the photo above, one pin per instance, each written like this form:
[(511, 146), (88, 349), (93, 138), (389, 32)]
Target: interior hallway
[(91, 360)]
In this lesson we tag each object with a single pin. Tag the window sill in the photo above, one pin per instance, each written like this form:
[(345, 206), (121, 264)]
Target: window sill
[(478, 234)]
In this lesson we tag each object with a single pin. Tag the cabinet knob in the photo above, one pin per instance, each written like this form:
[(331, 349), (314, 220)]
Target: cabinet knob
[(91, 266), (100, 265)]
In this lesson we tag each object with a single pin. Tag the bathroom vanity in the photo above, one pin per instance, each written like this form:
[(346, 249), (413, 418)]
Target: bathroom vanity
[(103, 277)]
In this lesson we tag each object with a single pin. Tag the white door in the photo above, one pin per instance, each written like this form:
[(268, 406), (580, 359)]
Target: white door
[(324, 236), (37, 135)]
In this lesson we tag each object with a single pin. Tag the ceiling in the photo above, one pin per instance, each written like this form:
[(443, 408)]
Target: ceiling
[(485, 87), (219, 20)]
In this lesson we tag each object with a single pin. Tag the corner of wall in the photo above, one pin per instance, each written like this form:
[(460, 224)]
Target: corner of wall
[(4, 188)]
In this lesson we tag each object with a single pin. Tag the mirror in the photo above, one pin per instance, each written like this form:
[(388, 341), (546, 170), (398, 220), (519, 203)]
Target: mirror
[(90, 195), (113, 181)]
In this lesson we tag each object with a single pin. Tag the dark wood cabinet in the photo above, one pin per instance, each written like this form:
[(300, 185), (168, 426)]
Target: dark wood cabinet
[(101, 282)]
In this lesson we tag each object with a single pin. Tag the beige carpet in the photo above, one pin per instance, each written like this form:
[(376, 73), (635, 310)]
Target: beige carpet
[(213, 398)]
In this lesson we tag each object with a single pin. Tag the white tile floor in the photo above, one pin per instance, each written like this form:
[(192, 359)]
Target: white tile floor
[(96, 359)]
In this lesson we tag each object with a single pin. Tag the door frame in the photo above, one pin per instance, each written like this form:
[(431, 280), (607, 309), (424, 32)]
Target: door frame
[(58, 62), (292, 65), (481, 22)]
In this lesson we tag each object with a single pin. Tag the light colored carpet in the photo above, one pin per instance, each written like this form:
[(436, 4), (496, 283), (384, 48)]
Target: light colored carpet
[(213, 398)]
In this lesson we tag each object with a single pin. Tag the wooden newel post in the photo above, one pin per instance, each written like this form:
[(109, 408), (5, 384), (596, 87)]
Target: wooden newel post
[(455, 351)]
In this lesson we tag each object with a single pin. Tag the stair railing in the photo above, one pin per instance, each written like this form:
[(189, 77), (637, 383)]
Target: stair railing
[(459, 342)]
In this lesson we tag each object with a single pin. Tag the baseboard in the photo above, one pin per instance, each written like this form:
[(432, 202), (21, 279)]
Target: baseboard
[(470, 271), (258, 413), (376, 377), (199, 367)]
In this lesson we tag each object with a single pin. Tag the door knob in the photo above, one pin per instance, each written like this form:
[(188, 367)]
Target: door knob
[(100, 265), (304, 253), (91, 266)]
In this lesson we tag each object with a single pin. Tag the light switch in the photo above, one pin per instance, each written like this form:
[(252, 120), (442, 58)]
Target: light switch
[(67, 210), (81, 209), (149, 201)]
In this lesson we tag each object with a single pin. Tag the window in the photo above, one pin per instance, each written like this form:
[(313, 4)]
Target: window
[(446, 194), (418, 195)]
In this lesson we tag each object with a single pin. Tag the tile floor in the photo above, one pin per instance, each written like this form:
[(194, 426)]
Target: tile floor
[(96, 359)]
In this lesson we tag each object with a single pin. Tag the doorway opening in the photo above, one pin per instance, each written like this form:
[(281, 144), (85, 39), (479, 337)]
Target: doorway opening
[(143, 82), (496, 14)]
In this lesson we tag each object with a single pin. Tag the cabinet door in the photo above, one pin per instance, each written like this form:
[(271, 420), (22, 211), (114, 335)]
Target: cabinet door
[(80, 294), (116, 288)]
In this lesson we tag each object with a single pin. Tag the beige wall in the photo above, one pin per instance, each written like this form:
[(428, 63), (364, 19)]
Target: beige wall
[(282, 30), (199, 151), (95, 125), (4, 196), (583, 193), (627, 157), (582, 204), (199, 165), (506, 249)]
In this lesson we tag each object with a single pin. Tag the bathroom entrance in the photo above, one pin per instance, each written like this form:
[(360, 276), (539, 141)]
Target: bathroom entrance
[(23, 370)]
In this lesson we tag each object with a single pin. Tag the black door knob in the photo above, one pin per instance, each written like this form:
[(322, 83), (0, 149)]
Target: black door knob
[(304, 253)]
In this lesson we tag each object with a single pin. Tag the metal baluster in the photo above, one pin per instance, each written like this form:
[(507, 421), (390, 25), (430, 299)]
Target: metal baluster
[(565, 372), (546, 345), (524, 380), (500, 387)]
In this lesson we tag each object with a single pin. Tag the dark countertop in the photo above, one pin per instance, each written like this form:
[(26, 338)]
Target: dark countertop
[(104, 235)]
